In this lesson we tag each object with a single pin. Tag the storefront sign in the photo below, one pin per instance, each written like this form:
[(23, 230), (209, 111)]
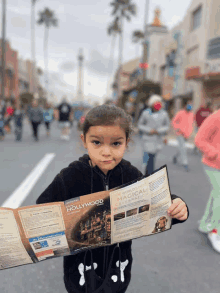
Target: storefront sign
[(168, 87), (192, 72), (212, 67)]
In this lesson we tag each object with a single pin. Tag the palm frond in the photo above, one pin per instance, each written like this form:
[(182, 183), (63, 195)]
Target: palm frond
[(114, 27), (132, 9), (48, 18)]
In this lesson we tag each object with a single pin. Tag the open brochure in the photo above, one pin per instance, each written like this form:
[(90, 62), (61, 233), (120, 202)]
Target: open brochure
[(39, 232)]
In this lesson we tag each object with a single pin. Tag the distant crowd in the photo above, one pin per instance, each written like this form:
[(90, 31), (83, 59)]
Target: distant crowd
[(37, 115)]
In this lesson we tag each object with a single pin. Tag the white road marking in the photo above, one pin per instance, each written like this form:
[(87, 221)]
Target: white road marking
[(173, 142), (20, 194)]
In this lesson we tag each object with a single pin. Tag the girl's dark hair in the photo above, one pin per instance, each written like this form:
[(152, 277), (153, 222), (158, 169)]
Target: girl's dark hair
[(108, 115)]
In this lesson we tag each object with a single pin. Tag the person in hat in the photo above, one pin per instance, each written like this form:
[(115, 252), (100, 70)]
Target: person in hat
[(154, 123), (183, 125)]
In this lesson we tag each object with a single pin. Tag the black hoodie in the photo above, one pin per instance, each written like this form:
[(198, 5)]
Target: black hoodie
[(78, 179)]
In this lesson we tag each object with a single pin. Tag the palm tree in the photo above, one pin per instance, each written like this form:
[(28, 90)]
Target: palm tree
[(33, 2), (47, 17), (122, 9), (112, 30), (137, 36)]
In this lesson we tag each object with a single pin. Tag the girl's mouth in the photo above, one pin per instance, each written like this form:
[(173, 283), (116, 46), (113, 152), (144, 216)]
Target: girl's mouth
[(107, 162)]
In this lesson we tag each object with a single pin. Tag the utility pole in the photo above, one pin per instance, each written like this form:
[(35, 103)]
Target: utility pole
[(3, 48), (179, 61), (80, 77), (120, 61)]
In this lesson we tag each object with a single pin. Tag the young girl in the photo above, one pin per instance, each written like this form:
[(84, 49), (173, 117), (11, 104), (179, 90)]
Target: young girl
[(106, 131)]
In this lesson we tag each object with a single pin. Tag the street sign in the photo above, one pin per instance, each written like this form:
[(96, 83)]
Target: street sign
[(143, 65)]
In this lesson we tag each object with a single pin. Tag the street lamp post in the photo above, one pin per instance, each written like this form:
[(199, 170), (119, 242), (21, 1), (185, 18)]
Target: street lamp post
[(80, 79), (144, 57), (3, 48)]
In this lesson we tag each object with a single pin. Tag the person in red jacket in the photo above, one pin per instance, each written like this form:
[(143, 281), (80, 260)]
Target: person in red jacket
[(202, 113), (9, 115), (208, 141), (183, 125)]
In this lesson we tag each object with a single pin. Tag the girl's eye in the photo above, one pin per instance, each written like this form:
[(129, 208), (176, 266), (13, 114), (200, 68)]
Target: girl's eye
[(95, 142), (119, 143)]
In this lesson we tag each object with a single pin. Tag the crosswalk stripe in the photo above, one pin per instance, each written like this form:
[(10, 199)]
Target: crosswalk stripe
[(20, 194)]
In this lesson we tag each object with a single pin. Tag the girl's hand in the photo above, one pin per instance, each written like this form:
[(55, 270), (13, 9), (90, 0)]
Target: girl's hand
[(178, 210)]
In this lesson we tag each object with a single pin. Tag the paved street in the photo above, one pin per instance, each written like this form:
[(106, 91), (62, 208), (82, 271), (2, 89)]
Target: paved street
[(179, 260)]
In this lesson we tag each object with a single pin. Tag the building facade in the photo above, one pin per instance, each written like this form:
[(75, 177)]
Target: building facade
[(186, 59), (11, 73), (28, 82)]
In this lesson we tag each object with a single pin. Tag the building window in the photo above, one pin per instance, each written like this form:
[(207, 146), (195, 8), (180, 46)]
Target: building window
[(196, 18), (162, 73), (214, 49), (153, 71)]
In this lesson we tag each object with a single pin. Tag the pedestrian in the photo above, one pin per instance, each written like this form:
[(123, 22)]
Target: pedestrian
[(202, 113), (9, 116), (65, 115), (18, 121), (106, 133), (78, 114), (154, 123), (183, 125), (36, 118), (48, 117), (207, 141), (2, 120)]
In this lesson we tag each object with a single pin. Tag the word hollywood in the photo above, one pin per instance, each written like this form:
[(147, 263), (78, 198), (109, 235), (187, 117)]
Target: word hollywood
[(81, 206)]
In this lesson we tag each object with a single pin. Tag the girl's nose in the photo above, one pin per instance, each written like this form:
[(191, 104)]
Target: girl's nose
[(106, 150)]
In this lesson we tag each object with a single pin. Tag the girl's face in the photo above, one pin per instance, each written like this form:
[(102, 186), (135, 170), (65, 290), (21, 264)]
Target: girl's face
[(106, 146)]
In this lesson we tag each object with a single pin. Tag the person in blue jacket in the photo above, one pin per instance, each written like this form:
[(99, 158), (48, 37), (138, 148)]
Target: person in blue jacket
[(48, 117), (106, 133)]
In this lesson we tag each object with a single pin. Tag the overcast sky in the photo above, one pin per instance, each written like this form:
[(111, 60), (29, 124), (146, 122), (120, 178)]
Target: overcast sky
[(82, 24)]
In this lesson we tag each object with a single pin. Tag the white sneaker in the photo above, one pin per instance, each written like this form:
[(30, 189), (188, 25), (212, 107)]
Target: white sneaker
[(66, 137), (215, 240)]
